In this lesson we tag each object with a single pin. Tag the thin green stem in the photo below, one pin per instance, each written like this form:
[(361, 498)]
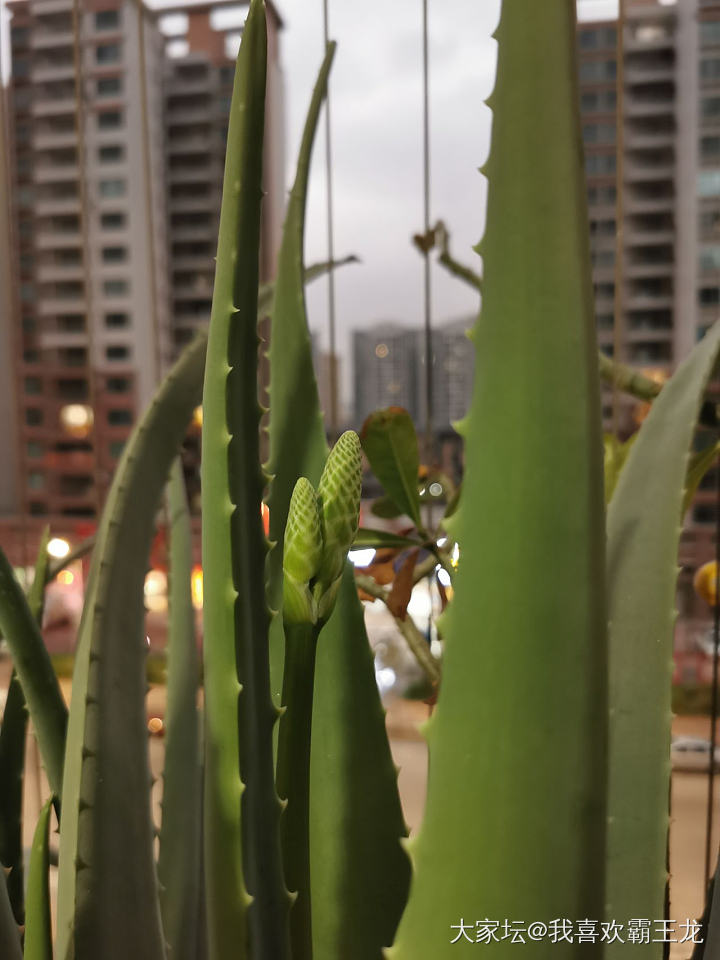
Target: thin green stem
[(293, 777)]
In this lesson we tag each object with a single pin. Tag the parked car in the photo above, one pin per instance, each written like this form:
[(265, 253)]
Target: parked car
[(692, 754)]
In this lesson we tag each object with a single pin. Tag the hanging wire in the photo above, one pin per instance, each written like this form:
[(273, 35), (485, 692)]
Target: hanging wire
[(332, 413), (429, 451)]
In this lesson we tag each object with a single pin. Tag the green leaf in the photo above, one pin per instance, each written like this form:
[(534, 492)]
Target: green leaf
[(385, 508), (107, 905), (698, 466), (298, 447), (616, 453), (390, 444), (514, 823), (12, 756), (37, 678), (360, 873), (179, 867), (10, 948), (296, 430), (242, 811), (380, 539), (643, 529), (38, 930)]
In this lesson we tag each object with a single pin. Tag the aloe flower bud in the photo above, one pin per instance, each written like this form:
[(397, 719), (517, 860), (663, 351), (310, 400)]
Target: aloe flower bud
[(302, 554), (339, 497)]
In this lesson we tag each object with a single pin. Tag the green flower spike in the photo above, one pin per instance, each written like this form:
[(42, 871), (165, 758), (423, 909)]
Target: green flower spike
[(302, 553), (339, 497)]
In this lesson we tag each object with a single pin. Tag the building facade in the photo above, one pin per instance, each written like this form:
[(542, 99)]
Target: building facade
[(115, 140)]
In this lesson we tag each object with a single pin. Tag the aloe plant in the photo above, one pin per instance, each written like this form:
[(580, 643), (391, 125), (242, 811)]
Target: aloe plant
[(300, 856)]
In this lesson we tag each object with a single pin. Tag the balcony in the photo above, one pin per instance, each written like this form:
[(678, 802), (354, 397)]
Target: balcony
[(50, 140), (52, 72), (51, 306), (56, 173), (49, 240), (51, 107), (51, 39), (52, 272), (51, 206)]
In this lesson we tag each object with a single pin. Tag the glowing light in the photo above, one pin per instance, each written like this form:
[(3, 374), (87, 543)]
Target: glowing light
[(385, 677), (361, 558), (58, 548), (66, 578), (196, 587), (443, 576), (455, 555), (436, 489), (265, 514), (156, 591), (442, 541), (381, 351), (76, 419), (155, 725), (197, 417)]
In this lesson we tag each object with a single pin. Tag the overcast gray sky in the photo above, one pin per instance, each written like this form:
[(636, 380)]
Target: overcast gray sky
[(376, 109)]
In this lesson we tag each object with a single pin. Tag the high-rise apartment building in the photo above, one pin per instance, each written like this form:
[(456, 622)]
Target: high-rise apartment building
[(661, 259), (389, 371), (115, 140), (88, 228), (197, 87)]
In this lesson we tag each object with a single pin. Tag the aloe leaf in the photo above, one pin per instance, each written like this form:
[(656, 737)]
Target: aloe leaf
[(38, 930), (107, 903), (12, 756), (616, 453), (37, 677), (514, 823), (179, 855), (12, 765), (698, 466), (242, 811), (366, 537), (390, 444), (10, 948), (296, 433), (359, 872), (643, 529), (339, 779)]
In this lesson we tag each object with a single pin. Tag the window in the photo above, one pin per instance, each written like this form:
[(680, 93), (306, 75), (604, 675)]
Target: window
[(37, 509), (117, 352), (605, 321), (19, 36), (708, 183), (601, 195), (112, 188), (708, 296), (107, 19), (598, 101), (108, 86), (593, 71), (112, 221), (115, 288), (114, 254), (599, 133), (116, 320), (36, 481), (602, 228), (599, 164), (604, 291), (73, 356), (34, 449), (710, 223), (33, 416), (709, 147), (710, 69), (112, 153), (602, 258), (710, 33), (107, 53), (710, 258), (33, 385), (119, 418), (116, 448), (109, 119), (117, 385), (27, 292), (21, 67), (710, 107), (71, 322)]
